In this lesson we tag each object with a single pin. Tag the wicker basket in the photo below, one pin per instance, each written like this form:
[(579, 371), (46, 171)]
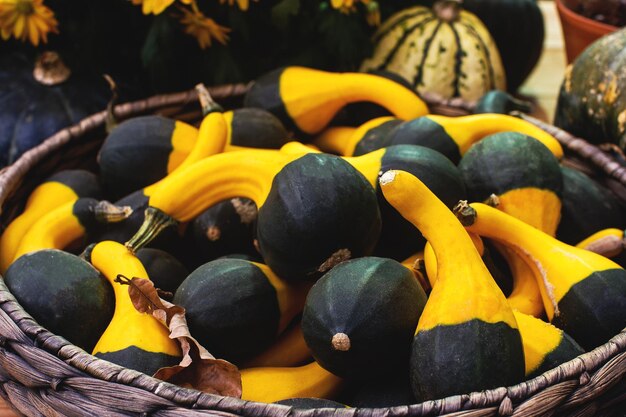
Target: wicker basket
[(42, 374)]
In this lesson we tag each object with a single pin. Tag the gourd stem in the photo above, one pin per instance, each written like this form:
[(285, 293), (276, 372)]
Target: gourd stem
[(206, 101), (111, 121), (341, 342), (447, 10), (106, 212), (155, 221)]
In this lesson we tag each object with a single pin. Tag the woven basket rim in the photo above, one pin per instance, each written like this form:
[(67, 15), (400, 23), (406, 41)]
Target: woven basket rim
[(502, 398)]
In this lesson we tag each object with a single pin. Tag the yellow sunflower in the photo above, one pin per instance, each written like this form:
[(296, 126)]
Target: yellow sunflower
[(349, 6), (156, 6), (203, 28), (26, 19), (345, 6)]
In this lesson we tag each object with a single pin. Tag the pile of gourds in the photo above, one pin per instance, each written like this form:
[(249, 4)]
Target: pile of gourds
[(355, 268)]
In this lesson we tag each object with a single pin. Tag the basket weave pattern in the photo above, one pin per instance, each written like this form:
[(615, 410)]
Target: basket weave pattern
[(42, 374)]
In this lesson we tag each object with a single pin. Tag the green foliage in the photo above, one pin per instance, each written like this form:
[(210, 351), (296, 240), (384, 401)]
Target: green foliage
[(148, 54)]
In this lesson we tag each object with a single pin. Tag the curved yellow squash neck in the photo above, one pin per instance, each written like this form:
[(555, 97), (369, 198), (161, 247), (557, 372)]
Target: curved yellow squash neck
[(467, 130), (44, 198), (128, 326), (465, 289), (54, 230), (560, 265), (188, 192), (313, 97)]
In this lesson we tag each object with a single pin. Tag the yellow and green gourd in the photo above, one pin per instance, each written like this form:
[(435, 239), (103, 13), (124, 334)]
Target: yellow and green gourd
[(362, 309), (451, 136), (583, 293), (310, 198), (64, 294), (524, 179), (467, 338), (236, 308), (132, 339), (72, 222), (60, 188), (306, 100), (142, 150), (545, 345)]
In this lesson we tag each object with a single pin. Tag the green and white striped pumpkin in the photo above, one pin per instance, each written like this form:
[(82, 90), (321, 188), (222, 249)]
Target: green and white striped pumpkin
[(444, 51)]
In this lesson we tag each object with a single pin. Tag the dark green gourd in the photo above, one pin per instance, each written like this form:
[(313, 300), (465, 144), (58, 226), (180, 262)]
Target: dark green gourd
[(587, 208), (64, 294), (325, 199), (141, 151), (223, 229), (236, 308), (360, 317)]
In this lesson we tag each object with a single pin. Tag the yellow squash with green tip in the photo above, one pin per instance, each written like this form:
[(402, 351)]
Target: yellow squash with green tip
[(62, 187), (69, 222), (467, 328), (583, 293), (306, 99), (132, 339), (324, 184)]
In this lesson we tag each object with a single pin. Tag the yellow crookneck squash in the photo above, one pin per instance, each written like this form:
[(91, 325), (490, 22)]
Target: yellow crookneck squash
[(467, 328), (60, 188), (583, 293), (270, 384), (452, 136), (306, 100), (132, 339), (518, 175), (69, 223)]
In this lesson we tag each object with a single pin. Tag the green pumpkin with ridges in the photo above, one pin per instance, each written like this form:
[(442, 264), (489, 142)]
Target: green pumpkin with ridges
[(493, 166), (236, 308), (489, 368), (592, 99)]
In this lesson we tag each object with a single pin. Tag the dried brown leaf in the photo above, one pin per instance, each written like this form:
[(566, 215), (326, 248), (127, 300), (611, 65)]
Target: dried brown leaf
[(198, 368)]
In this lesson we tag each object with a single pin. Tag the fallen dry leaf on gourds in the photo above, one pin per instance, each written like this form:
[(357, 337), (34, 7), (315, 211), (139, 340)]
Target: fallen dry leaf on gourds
[(197, 369)]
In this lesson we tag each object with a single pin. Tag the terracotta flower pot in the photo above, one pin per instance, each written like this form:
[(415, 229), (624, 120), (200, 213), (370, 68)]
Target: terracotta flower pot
[(579, 31)]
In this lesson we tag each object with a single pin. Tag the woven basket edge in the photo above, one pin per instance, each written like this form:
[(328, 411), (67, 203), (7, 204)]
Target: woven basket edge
[(73, 355)]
